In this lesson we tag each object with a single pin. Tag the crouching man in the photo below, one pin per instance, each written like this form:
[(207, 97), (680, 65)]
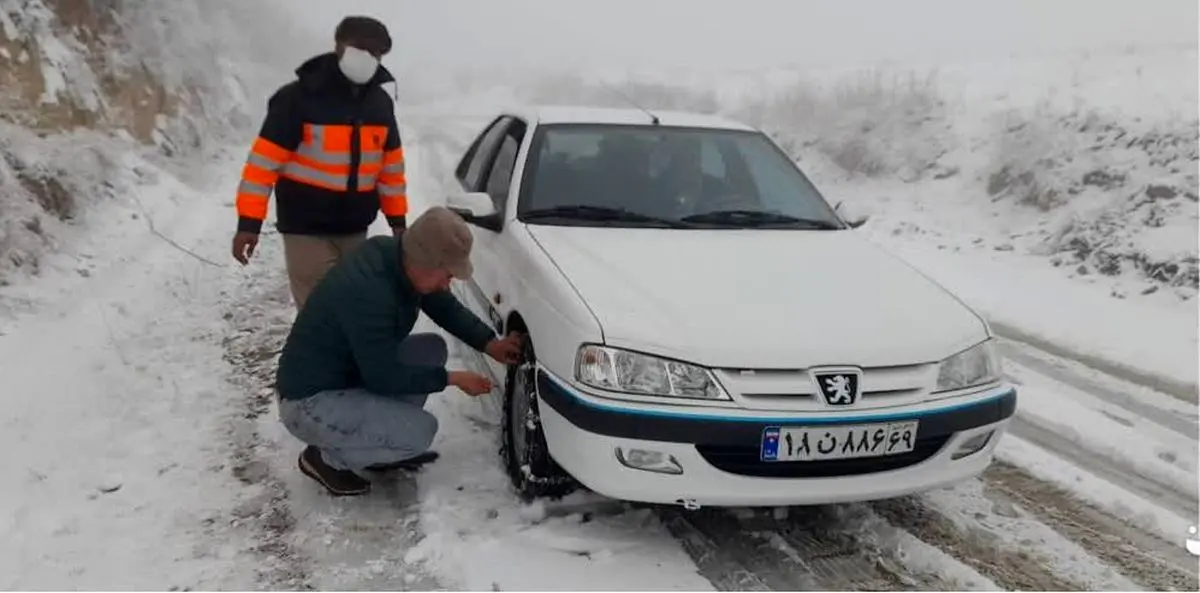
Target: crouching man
[(353, 378)]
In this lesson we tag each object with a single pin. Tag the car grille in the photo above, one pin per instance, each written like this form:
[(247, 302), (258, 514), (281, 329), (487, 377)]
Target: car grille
[(745, 461), (794, 390)]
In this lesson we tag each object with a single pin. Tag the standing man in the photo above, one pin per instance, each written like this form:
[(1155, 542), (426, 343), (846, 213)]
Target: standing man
[(353, 378), (331, 151)]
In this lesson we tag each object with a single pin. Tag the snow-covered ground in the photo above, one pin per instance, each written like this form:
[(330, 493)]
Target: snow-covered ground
[(138, 367), (115, 406)]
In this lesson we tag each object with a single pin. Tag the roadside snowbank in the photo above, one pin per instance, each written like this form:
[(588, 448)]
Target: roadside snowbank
[(1151, 341), (82, 84), (115, 410)]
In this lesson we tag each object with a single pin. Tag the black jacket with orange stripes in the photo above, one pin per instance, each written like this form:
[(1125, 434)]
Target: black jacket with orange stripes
[(331, 151)]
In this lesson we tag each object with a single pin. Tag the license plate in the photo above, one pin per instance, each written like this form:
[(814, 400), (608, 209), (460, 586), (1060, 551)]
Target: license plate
[(843, 441)]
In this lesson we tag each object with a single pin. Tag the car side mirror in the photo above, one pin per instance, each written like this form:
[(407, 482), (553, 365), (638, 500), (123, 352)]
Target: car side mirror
[(475, 204), (476, 208), (852, 218)]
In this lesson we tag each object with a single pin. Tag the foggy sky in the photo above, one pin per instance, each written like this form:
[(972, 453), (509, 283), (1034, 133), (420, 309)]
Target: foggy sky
[(747, 33)]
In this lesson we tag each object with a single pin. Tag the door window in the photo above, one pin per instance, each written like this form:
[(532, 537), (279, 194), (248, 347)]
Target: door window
[(470, 169)]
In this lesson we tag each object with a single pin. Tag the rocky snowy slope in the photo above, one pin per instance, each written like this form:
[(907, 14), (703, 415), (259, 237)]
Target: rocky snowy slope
[(95, 95)]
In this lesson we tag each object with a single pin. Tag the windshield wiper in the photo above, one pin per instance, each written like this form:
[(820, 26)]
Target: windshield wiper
[(757, 219), (598, 213)]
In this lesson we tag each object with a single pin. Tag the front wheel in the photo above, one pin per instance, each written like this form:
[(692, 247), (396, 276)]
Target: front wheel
[(533, 472)]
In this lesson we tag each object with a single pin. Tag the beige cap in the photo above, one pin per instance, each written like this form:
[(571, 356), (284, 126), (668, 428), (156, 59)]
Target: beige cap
[(439, 239)]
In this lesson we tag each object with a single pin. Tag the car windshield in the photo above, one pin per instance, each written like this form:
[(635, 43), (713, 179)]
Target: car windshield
[(667, 177)]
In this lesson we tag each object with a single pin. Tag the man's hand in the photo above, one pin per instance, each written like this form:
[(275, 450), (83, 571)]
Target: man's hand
[(244, 243), (470, 383), (507, 350)]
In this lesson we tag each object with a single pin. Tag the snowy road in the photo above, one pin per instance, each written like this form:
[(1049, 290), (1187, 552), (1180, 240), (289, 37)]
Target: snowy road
[(148, 455)]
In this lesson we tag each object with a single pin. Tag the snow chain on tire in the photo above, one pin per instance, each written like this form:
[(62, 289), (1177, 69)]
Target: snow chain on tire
[(555, 486)]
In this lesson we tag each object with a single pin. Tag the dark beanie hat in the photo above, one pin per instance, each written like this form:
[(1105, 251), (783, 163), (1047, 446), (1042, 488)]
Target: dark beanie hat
[(365, 33)]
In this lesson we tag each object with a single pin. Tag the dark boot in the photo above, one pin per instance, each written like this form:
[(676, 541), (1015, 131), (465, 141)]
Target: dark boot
[(338, 482), (410, 464)]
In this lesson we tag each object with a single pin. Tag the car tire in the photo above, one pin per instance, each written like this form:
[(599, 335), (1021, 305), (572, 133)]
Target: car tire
[(534, 474)]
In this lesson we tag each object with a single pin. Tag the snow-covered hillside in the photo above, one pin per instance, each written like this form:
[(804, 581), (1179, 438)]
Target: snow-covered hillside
[(1088, 160), (95, 95)]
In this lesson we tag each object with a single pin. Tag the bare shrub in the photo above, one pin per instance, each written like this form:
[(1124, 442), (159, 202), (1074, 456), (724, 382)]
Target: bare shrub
[(867, 123), (573, 89), (1023, 154)]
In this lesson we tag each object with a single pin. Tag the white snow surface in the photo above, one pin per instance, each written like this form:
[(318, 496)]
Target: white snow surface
[(113, 411), (1155, 335)]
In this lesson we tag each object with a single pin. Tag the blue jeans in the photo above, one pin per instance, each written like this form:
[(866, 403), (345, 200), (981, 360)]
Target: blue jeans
[(354, 428)]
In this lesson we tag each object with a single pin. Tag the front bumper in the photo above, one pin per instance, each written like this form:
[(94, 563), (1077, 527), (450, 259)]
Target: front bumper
[(719, 455)]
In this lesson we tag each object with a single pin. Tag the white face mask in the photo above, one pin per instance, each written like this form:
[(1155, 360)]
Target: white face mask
[(359, 66)]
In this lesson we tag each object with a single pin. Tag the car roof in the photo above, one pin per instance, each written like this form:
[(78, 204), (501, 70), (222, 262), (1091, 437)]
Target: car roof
[(565, 114)]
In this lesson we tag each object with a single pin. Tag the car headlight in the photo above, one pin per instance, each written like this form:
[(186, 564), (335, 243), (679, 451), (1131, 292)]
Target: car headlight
[(613, 369), (978, 365)]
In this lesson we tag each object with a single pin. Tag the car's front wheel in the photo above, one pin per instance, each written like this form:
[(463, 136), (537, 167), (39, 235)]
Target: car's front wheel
[(527, 458)]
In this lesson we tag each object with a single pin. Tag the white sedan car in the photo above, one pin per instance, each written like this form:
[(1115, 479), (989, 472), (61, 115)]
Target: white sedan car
[(705, 329)]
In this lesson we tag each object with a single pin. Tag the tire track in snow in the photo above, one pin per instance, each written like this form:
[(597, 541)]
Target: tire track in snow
[(1115, 471), (251, 350), (1144, 558), (1013, 570), (825, 538), (1141, 557), (976, 512), (1181, 390), (724, 570), (812, 549), (1077, 375), (1048, 365)]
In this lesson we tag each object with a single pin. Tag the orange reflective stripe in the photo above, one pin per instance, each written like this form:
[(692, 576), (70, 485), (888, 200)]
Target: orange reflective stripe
[(333, 139), (393, 157), (252, 205), (274, 152), (259, 175), (393, 175), (374, 138), (393, 205), (264, 162), (256, 174), (323, 158)]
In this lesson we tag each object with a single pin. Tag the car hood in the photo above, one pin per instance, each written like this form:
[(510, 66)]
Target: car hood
[(759, 299)]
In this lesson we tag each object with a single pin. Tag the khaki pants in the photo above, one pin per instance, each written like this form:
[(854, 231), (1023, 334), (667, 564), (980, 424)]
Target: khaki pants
[(309, 257)]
